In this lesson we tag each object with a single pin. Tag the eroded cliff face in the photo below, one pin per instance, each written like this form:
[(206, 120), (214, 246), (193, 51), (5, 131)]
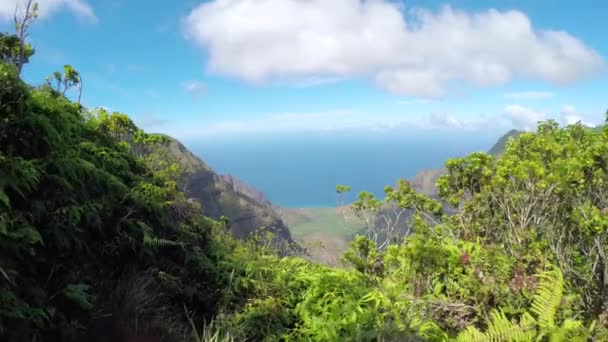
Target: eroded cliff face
[(425, 181), (224, 195), (238, 186)]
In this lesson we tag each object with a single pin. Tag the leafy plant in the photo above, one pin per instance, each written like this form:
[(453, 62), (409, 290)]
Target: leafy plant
[(536, 325)]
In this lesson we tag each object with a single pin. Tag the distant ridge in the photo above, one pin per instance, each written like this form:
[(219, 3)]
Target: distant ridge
[(425, 180), (225, 195), (501, 144)]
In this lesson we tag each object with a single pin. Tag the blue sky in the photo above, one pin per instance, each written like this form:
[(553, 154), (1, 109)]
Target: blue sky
[(197, 69)]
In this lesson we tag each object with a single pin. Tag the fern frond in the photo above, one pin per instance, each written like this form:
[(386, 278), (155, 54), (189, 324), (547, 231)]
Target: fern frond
[(547, 298), (158, 242), (502, 329), (570, 330), (471, 334)]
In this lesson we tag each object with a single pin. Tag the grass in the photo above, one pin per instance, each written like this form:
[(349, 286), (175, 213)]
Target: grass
[(325, 232), (329, 221)]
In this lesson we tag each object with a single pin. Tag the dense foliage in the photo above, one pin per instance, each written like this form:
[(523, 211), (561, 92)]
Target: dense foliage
[(522, 258), (92, 224), (89, 213)]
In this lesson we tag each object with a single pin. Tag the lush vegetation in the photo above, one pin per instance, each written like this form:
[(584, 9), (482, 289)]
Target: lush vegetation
[(521, 259), (87, 211), (92, 224)]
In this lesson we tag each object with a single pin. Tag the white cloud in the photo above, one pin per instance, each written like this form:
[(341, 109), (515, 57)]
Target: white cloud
[(315, 81), (420, 53), (444, 120), (46, 8), (523, 117), (420, 83), (570, 116), (196, 88), (529, 95), (336, 120)]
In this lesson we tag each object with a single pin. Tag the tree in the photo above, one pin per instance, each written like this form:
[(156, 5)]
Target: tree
[(85, 223), (343, 209), (386, 220), (11, 50), (547, 192), (22, 22), (71, 78)]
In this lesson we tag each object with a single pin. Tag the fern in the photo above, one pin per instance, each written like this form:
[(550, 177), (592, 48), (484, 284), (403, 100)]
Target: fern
[(570, 331), (502, 329), (546, 302), (547, 299), (471, 334), (158, 242), (211, 332)]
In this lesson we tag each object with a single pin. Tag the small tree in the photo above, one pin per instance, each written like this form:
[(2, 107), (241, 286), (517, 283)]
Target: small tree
[(22, 22), (62, 83), (342, 209), (386, 220)]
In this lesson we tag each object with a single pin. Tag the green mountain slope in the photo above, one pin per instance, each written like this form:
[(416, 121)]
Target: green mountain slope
[(224, 195), (500, 145)]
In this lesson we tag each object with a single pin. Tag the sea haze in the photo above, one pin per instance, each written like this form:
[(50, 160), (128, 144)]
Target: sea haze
[(303, 170)]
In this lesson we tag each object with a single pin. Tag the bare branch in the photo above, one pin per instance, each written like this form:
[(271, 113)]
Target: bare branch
[(22, 24)]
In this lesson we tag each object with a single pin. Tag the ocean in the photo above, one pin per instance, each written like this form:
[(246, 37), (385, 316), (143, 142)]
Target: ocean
[(300, 171)]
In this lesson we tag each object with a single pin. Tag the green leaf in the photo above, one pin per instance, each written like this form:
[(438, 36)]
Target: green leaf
[(4, 199), (77, 293)]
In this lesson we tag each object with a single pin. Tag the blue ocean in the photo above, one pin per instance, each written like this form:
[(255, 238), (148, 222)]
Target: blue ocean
[(303, 170)]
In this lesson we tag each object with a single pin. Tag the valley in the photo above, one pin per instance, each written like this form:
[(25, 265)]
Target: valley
[(286, 170)]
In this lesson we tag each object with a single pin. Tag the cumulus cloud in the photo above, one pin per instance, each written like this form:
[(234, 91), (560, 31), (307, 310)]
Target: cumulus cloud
[(570, 116), (46, 8), (196, 88), (523, 117), (417, 52), (529, 95), (445, 121), (315, 81)]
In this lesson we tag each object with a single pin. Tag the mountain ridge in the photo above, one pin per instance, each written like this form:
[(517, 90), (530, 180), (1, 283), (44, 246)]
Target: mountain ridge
[(225, 195)]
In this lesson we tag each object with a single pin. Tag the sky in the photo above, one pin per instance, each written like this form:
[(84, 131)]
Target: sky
[(231, 68)]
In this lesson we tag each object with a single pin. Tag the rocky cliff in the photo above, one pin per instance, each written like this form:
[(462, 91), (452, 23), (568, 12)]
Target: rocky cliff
[(224, 195)]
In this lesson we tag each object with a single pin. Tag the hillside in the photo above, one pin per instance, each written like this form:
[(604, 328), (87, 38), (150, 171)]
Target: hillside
[(224, 195), (425, 180), (500, 145), (324, 232), (99, 244), (110, 233)]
